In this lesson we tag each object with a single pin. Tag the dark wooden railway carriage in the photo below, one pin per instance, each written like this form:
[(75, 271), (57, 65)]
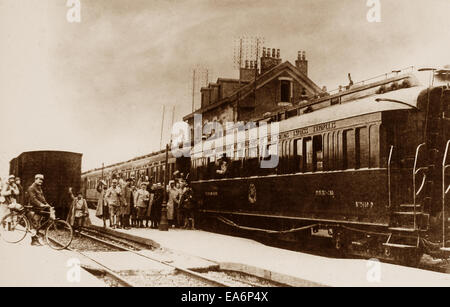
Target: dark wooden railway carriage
[(61, 170), (346, 168)]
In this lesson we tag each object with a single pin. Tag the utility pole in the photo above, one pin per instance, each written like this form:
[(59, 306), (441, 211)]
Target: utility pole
[(193, 90), (163, 224), (162, 126)]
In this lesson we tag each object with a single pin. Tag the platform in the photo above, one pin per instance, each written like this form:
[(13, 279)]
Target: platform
[(23, 265), (289, 267)]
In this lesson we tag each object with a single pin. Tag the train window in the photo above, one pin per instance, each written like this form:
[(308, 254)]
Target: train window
[(331, 157), (318, 153), (349, 149), (362, 148), (338, 150), (299, 155), (374, 146), (308, 152)]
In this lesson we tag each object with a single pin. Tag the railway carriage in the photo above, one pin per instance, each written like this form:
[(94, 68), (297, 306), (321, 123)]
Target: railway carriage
[(364, 166), (61, 170), (151, 165)]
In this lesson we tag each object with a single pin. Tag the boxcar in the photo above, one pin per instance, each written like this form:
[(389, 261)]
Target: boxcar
[(61, 170)]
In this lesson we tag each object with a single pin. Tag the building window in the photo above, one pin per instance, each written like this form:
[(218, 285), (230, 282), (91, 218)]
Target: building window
[(285, 91)]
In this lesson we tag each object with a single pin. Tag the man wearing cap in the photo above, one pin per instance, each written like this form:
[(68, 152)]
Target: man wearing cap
[(112, 197), (142, 198), (10, 191), (37, 200)]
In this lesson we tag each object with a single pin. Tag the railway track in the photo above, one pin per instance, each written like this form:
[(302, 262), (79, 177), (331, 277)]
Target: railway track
[(205, 277)]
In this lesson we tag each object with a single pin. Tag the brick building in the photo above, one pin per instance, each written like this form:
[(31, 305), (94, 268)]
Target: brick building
[(276, 85)]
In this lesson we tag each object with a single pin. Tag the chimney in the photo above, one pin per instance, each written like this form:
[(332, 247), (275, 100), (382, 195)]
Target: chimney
[(270, 58), (247, 73), (301, 63)]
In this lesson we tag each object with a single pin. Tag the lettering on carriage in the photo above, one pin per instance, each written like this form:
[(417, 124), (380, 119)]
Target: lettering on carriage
[(364, 204), (323, 127), (300, 131), (284, 135), (325, 193)]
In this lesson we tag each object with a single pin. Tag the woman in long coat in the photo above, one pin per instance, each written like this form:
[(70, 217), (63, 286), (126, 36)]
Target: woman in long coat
[(102, 207), (174, 196)]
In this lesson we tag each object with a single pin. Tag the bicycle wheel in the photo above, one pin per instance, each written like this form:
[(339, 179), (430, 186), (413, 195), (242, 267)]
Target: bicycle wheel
[(59, 234), (13, 227)]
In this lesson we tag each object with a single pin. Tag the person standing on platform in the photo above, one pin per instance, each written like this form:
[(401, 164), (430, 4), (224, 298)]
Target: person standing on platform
[(112, 198), (187, 205), (180, 186), (10, 191), (155, 213), (127, 199), (102, 210), (133, 209), (142, 199), (150, 201), (173, 195), (79, 213)]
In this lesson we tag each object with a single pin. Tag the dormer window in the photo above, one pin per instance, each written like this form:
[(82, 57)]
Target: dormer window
[(285, 91)]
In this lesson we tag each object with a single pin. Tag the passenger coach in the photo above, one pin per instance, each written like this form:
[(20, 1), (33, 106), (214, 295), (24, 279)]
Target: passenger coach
[(364, 165)]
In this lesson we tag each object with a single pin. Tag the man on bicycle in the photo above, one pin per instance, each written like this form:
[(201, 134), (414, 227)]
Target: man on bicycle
[(37, 200)]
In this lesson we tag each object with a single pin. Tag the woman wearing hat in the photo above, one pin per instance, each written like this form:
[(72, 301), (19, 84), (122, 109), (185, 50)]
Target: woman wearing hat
[(102, 210), (174, 196)]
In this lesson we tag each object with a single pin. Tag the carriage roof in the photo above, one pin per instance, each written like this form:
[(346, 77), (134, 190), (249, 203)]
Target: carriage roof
[(357, 107)]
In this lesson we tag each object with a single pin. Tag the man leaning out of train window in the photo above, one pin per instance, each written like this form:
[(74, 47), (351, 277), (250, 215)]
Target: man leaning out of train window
[(79, 212)]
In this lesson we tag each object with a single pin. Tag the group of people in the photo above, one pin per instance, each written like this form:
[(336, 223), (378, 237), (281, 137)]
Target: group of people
[(138, 203), (12, 196)]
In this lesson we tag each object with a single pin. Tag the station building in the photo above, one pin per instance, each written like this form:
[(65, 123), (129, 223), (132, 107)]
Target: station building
[(275, 85)]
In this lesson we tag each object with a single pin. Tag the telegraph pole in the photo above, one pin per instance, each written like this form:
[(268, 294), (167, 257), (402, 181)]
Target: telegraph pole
[(193, 91), (162, 126), (163, 224)]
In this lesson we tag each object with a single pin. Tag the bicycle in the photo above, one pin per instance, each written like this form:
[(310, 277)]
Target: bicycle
[(15, 225)]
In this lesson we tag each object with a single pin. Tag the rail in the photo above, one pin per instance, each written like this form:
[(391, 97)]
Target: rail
[(389, 174), (445, 190), (373, 79), (415, 172)]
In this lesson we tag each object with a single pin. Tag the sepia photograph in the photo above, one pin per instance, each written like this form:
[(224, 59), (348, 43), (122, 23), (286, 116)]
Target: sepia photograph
[(206, 147)]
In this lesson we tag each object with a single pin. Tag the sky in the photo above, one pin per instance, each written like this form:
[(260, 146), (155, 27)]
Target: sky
[(98, 87)]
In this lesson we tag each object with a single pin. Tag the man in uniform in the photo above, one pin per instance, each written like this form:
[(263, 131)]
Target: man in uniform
[(10, 190), (112, 197), (37, 200)]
